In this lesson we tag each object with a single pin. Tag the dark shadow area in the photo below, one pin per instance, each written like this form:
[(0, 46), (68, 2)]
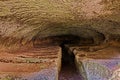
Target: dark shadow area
[(55, 40), (61, 40), (67, 57), (68, 68)]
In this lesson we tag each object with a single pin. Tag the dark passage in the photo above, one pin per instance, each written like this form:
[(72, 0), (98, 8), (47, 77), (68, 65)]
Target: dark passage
[(68, 68)]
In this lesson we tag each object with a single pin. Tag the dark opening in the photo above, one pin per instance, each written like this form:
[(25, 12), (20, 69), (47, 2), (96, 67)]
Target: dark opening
[(67, 57), (55, 40), (68, 68)]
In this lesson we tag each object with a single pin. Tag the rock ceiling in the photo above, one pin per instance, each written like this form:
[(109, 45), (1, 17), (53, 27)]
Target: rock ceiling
[(23, 20)]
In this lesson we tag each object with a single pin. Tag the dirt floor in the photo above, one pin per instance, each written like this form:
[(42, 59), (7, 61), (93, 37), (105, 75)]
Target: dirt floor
[(69, 72)]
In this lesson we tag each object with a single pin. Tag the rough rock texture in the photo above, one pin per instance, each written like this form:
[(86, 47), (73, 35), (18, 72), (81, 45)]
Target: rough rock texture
[(41, 63), (29, 24), (102, 64), (22, 21)]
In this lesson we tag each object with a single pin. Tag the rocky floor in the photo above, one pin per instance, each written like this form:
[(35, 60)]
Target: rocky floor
[(69, 72)]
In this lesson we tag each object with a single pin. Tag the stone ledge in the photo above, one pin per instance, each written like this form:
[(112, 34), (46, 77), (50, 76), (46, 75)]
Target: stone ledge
[(40, 63), (98, 65)]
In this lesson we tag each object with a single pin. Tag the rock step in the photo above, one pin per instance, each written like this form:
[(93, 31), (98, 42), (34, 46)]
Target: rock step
[(101, 64)]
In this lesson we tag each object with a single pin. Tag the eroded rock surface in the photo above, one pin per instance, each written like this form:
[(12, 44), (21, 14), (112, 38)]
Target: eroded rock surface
[(21, 21), (41, 63), (98, 65), (26, 25)]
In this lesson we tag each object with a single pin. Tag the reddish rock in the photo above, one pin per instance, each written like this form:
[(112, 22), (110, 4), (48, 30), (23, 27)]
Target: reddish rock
[(97, 65), (34, 64)]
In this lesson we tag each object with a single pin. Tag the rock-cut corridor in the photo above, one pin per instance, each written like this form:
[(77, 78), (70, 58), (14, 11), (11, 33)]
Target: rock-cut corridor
[(68, 61), (59, 39)]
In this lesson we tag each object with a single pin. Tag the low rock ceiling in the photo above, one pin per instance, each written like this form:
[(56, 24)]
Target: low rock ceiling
[(22, 20)]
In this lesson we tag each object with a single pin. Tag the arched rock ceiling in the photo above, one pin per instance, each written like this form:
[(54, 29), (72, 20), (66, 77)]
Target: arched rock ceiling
[(24, 19)]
